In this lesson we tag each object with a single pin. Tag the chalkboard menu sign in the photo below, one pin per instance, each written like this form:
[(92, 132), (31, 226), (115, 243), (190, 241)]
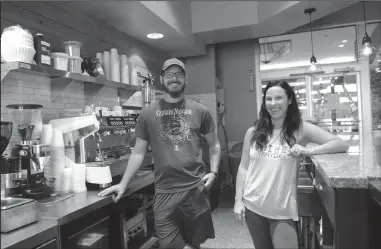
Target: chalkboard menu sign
[(121, 121)]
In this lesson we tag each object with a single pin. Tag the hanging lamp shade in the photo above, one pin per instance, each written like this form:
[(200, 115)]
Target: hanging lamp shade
[(367, 47), (314, 67)]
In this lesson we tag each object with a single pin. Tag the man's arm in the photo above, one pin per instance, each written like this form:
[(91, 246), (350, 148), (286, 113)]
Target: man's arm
[(135, 161), (214, 150)]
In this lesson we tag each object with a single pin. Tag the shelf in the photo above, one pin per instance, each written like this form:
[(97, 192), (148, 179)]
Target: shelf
[(62, 79)]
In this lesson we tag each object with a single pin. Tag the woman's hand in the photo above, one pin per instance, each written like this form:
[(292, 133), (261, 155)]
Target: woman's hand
[(117, 191), (299, 150), (239, 210)]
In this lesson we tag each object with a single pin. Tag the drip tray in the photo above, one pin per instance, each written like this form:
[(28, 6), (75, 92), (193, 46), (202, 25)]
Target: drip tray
[(54, 198)]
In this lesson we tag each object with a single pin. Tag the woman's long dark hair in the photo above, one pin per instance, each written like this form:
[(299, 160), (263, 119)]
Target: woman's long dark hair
[(264, 127)]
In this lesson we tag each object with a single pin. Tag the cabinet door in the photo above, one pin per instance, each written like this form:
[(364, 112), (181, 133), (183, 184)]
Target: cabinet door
[(52, 244)]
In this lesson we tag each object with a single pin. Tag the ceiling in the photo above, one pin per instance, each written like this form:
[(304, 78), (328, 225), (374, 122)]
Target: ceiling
[(188, 26)]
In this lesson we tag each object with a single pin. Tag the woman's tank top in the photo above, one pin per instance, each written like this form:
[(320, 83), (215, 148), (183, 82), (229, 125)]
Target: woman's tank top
[(271, 181)]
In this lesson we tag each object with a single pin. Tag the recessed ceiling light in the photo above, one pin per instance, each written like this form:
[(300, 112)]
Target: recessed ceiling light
[(341, 45), (155, 36), (345, 41)]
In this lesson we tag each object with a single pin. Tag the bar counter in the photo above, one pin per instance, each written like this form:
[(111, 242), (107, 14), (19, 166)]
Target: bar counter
[(352, 169), (52, 216)]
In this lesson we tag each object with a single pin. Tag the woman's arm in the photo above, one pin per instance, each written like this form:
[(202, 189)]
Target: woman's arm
[(242, 169), (327, 142)]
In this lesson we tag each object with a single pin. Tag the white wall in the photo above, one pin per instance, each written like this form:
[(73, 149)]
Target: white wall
[(207, 16)]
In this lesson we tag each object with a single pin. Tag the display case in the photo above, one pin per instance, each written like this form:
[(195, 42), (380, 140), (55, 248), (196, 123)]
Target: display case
[(330, 100)]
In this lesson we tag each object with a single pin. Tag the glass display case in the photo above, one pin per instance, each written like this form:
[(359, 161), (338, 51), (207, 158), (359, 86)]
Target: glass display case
[(334, 103), (331, 100)]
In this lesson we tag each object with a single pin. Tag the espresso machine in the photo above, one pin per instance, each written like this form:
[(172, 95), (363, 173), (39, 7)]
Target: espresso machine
[(32, 155), (11, 171)]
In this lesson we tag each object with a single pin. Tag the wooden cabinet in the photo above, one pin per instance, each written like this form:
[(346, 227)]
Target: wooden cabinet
[(51, 244), (344, 216)]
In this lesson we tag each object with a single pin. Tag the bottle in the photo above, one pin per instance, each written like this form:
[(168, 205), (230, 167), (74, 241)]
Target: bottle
[(43, 51)]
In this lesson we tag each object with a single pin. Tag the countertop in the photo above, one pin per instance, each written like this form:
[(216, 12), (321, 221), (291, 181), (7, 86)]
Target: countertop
[(30, 236), (54, 215), (353, 169)]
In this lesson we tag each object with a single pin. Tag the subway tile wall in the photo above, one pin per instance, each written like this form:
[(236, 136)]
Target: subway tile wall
[(25, 88)]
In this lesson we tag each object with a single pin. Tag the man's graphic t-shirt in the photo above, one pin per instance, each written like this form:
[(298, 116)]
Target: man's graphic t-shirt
[(173, 131)]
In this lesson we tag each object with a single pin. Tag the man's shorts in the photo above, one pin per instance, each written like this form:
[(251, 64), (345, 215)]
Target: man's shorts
[(183, 218)]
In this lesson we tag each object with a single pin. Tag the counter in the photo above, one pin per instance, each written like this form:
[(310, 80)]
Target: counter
[(51, 217), (342, 183), (31, 235), (352, 169)]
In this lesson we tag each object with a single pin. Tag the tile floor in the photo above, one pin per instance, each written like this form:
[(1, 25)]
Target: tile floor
[(230, 233)]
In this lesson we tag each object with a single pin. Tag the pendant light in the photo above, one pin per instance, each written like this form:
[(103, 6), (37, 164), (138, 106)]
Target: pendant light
[(367, 47), (314, 67)]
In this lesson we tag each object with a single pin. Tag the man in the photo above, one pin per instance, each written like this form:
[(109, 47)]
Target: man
[(173, 127)]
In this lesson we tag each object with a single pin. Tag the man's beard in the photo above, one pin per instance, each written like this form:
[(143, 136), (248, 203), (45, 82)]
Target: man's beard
[(174, 94)]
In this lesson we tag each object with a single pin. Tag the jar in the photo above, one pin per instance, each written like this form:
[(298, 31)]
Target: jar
[(60, 61), (75, 64), (73, 48)]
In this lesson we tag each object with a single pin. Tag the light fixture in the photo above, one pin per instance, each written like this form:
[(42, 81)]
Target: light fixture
[(314, 66), (155, 36), (344, 41), (367, 47), (341, 45)]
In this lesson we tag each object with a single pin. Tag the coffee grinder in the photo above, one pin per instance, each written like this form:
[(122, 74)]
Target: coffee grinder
[(33, 155), (11, 171)]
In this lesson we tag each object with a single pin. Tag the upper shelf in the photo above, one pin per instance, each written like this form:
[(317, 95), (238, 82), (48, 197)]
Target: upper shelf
[(54, 73)]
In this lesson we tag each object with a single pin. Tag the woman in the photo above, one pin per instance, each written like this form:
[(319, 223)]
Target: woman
[(266, 188)]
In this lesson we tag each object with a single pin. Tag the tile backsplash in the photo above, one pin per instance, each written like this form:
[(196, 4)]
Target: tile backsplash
[(26, 88)]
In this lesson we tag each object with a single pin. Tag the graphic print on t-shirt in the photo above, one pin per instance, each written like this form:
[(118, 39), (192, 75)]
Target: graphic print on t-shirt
[(174, 128), (274, 151)]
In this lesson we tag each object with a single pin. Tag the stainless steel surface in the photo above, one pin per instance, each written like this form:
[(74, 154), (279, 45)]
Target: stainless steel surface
[(54, 73), (103, 186), (118, 166), (82, 151), (30, 236), (16, 213), (11, 202), (8, 180), (51, 216), (57, 197), (84, 203)]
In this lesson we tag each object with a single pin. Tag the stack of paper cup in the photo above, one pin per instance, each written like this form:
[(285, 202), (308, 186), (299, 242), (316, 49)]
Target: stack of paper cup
[(115, 66), (124, 69), (66, 180), (106, 64), (46, 134), (54, 169), (99, 56), (79, 178)]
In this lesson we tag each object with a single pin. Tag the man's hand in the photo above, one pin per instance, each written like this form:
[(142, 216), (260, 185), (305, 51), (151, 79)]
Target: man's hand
[(116, 191), (209, 180)]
